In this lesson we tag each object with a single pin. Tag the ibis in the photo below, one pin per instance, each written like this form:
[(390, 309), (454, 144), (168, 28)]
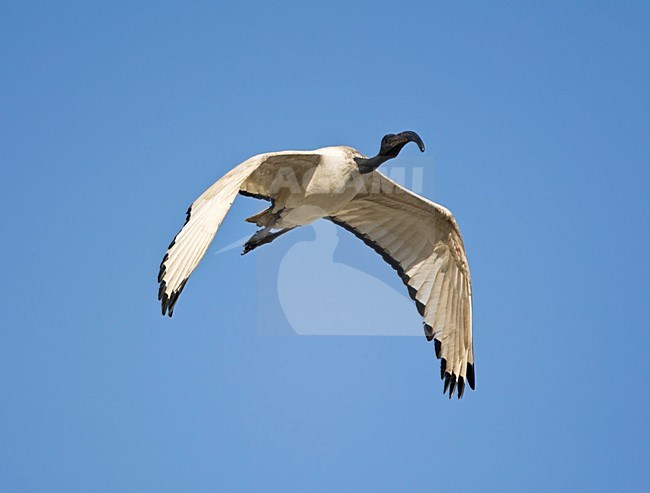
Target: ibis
[(418, 238)]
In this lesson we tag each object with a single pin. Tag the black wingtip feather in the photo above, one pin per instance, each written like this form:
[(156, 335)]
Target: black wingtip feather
[(443, 367), (438, 345), (452, 385), (428, 332), (470, 376), (168, 301), (418, 304), (461, 387)]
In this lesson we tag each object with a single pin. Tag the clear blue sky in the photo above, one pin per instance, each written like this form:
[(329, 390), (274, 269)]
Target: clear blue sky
[(116, 115)]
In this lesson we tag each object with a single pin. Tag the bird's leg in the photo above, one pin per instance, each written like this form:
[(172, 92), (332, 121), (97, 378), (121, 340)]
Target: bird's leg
[(262, 237)]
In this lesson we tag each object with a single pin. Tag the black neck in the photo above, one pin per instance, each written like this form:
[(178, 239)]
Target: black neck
[(370, 164)]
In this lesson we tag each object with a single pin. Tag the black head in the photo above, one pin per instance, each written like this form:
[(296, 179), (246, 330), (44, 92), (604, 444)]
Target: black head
[(392, 144)]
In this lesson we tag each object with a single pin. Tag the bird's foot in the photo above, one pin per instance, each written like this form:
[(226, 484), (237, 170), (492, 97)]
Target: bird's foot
[(249, 246)]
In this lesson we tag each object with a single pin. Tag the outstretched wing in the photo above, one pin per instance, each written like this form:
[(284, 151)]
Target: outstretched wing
[(422, 242), (207, 212)]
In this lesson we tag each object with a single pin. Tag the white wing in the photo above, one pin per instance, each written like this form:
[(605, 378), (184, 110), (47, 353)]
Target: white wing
[(422, 242), (207, 212)]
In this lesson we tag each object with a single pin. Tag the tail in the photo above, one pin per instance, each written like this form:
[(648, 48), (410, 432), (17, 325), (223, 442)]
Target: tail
[(264, 218)]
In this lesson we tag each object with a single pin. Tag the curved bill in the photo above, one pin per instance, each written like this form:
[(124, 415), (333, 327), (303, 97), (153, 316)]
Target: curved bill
[(410, 136)]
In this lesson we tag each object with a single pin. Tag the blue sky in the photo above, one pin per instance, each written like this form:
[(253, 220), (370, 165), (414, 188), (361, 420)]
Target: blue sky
[(115, 116)]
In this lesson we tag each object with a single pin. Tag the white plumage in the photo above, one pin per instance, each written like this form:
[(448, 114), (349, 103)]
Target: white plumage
[(418, 238)]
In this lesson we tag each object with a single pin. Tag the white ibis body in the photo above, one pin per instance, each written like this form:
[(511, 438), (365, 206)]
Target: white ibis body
[(417, 237)]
